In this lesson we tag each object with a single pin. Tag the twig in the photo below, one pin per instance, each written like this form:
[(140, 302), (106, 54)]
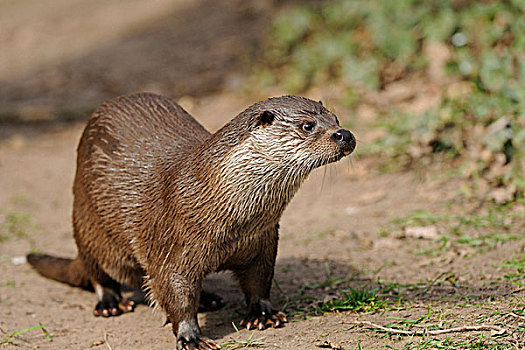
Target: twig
[(480, 327), (516, 315), (106, 340), (515, 291), (432, 283)]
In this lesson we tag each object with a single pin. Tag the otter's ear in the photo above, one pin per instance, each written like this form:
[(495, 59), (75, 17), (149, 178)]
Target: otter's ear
[(265, 118)]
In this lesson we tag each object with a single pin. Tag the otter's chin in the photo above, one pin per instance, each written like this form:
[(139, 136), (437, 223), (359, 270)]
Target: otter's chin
[(324, 161), (340, 155)]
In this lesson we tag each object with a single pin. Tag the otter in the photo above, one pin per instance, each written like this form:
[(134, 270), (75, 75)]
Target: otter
[(159, 203)]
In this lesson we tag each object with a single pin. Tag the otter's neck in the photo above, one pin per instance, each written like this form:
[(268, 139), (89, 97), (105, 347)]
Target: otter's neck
[(238, 178), (254, 183)]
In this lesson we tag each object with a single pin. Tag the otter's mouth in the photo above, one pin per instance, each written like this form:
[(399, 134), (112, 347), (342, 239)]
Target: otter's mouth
[(332, 159), (350, 148)]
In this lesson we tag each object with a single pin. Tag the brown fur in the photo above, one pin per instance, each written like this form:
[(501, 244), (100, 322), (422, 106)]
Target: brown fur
[(159, 202)]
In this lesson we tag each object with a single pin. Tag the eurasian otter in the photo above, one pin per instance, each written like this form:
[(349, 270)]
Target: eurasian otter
[(159, 202)]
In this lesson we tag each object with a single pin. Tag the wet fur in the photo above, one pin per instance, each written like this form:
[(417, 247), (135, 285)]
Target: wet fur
[(159, 202)]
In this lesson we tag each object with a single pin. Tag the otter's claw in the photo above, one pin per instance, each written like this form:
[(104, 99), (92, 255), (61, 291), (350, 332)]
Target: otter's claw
[(200, 344), (275, 320), (111, 306)]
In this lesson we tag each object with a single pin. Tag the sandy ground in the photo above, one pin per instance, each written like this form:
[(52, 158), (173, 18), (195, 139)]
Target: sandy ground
[(335, 220), (338, 227)]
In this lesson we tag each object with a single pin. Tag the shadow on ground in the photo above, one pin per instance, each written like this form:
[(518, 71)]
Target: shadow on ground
[(304, 284), (195, 50)]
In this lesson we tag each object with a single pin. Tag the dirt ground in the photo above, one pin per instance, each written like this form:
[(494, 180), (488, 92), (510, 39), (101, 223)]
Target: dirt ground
[(336, 234)]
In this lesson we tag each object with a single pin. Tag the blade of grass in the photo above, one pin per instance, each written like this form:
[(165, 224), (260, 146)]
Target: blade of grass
[(21, 331)]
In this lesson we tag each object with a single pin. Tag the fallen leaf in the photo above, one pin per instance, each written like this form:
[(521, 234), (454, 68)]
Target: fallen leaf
[(497, 332)]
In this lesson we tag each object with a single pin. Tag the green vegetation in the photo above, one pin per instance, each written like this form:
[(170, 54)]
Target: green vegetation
[(356, 301), (451, 343), (439, 330), (470, 52), (516, 273), (14, 224), (331, 295), (350, 300), (241, 344), (11, 336), (10, 283), (465, 56), (480, 230)]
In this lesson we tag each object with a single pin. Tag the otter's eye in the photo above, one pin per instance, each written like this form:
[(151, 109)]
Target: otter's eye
[(308, 126)]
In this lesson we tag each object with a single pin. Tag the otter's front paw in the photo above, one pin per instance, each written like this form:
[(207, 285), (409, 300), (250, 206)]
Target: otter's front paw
[(189, 338), (261, 315), (201, 343)]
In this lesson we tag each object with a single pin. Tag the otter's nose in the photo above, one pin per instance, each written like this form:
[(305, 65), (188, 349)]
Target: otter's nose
[(345, 139)]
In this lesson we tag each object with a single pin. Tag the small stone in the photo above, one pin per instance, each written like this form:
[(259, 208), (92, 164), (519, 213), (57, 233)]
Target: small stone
[(422, 232), (19, 260), (352, 210)]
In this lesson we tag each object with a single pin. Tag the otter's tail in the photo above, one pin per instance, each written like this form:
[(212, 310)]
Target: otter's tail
[(70, 271)]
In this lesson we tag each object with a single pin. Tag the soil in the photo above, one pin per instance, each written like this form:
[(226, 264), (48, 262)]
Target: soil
[(336, 234)]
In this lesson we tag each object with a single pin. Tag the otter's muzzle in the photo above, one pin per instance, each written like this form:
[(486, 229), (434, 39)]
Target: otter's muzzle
[(344, 139)]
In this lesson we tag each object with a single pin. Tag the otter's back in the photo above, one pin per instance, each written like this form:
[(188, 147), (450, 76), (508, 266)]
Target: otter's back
[(123, 156), (138, 123)]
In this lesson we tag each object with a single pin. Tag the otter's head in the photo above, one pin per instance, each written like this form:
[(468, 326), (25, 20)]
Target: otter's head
[(267, 151), (297, 132)]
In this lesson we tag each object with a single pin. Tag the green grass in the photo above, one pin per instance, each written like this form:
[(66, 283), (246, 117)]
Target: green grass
[(241, 344), (15, 224), (351, 300), (11, 336), (416, 325), (480, 230), (443, 319), (515, 269), (306, 302), (498, 217), (355, 300), (489, 240), (453, 343), (362, 46), (10, 283)]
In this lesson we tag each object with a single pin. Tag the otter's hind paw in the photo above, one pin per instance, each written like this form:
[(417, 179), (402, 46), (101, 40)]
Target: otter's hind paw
[(262, 316), (110, 305)]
